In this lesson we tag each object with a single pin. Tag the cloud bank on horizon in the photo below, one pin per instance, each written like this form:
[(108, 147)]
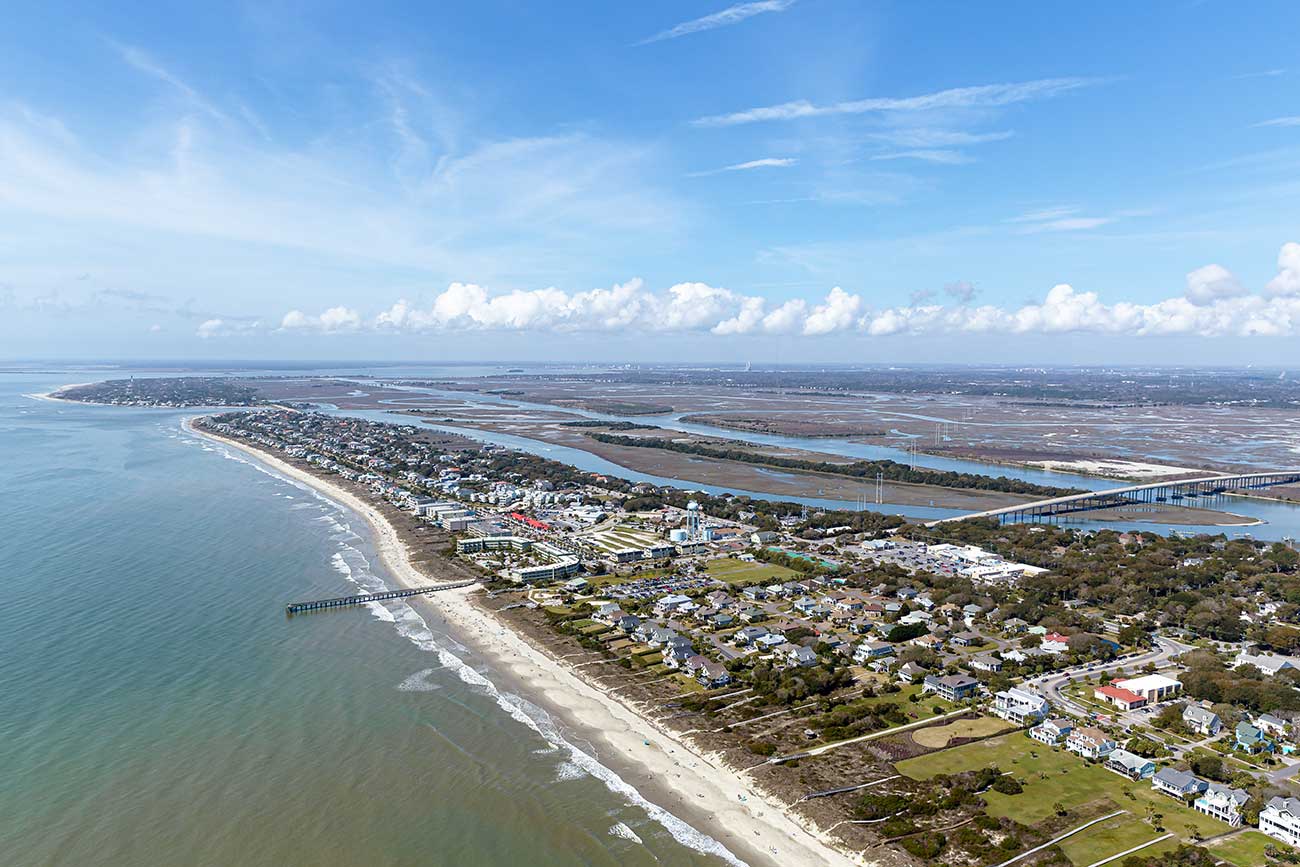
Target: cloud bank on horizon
[(1214, 304)]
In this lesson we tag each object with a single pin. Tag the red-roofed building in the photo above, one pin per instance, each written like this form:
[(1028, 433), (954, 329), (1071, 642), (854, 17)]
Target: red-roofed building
[(1055, 642), (1122, 698)]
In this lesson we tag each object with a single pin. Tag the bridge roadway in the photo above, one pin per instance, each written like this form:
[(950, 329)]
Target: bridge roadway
[(363, 598), (1153, 492)]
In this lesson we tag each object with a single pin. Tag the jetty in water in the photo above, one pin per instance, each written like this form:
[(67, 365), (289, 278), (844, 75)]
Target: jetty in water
[(363, 598)]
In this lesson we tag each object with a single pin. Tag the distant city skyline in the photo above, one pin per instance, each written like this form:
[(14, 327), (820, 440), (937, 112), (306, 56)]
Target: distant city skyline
[(774, 181)]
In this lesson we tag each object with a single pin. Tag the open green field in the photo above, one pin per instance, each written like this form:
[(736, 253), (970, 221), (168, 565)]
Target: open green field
[(613, 578), (937, 737), (1245, 849), (1112, 836), (1054, 776), (742, 572)]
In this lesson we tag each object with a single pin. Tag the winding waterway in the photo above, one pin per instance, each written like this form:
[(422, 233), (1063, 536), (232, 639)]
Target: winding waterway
[(1280, 520)]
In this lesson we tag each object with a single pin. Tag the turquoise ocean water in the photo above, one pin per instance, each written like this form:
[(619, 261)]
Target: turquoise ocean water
[(156, 706)]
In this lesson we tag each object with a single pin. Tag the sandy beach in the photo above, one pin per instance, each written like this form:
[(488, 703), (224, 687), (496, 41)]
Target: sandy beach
[(681, 779)]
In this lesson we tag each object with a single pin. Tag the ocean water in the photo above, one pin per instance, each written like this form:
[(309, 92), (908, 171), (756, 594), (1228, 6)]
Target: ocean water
[(157, 707)]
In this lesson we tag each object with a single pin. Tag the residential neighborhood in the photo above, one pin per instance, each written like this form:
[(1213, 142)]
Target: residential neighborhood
[(946, 655)]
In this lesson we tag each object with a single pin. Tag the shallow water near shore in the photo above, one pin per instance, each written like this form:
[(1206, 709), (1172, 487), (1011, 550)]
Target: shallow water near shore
[(156, 706)]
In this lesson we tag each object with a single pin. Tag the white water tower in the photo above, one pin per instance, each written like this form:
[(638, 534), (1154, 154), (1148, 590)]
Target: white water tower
[(693, 521)]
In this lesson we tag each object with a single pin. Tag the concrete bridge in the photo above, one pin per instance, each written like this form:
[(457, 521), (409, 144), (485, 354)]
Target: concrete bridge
[(1187, 492)]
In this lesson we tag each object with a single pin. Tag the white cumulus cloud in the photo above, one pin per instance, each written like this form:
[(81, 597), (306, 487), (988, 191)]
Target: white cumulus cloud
[(1211, 282), (332, 320), (1213, 304)]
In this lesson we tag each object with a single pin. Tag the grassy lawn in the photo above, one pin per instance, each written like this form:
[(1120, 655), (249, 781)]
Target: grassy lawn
[(937, 737), (1245, 849), (647, 657), (1112, 837), (607, 579), (922, 708), (688, 684), (742, 572), (1054, 776)]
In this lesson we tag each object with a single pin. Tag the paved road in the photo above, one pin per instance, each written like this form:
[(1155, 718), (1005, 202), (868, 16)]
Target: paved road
[(1052, 684), (1282, 773)]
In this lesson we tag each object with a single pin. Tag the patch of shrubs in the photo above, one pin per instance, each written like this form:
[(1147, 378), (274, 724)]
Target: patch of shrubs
[(1007, 786)]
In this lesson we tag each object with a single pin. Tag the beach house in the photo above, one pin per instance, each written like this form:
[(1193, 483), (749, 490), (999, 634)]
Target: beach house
[(1201, 720), (1052, 731), (1251, 740), (1129, 765), (1280, 819), (1178, 784), (1089, 742), (1223, 803), (1020, 706), (954, 687)]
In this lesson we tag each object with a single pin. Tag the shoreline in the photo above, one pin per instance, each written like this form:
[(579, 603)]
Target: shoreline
[(694, 782)]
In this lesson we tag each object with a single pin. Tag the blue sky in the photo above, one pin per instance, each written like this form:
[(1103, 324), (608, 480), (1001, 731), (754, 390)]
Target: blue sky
[(772, 180)]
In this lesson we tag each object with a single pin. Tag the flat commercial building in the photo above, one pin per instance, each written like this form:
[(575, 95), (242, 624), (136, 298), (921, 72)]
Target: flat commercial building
[(1152, 687)]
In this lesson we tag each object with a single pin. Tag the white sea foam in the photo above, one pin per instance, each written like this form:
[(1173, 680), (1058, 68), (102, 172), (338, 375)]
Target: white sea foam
[(568, 771), (379, 612), (419, 682), (621, 830)]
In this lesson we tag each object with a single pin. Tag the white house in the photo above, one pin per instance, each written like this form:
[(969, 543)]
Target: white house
[(1269, 663), (670, 603), (1091, 743), (1020, 706), (1271, 725), (1201, 720), (1280, 819), (1052, 731), (869, 650), (1223, 803)]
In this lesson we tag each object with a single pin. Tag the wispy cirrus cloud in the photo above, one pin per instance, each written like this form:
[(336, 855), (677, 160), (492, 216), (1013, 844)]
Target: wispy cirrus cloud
[(731, 15), (1291, 120), (945, 157), (925, 137), (980, 96), (1263, 73), (764, 163), (141, 61), (1067, 218)]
